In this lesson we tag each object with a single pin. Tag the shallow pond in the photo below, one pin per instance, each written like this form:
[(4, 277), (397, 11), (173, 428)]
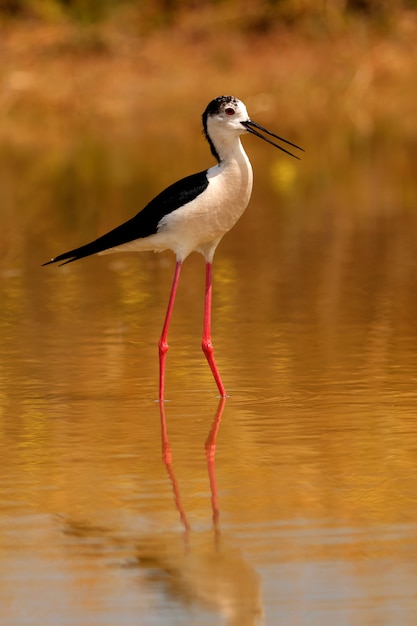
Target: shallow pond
[(292, 502)]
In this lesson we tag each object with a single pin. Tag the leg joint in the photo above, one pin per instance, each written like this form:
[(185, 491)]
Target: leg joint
[(163, 346), (207, 346)]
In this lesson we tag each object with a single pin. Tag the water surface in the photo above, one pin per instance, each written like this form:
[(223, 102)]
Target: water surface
[(294, 502)]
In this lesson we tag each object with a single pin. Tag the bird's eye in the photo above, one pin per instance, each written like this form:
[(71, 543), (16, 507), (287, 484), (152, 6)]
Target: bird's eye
[(229, 111)]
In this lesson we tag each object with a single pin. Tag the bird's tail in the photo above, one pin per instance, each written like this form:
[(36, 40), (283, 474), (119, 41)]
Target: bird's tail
[(79, 253), (119, 235)]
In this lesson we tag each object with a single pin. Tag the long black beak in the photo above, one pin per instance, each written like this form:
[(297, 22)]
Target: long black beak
[(250, 127)]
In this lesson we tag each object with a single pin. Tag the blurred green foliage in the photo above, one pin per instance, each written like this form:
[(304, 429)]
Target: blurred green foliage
[(290, 12)]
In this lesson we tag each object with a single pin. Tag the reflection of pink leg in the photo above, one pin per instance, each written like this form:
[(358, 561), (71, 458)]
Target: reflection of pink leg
[(206, 343), (210, 452), (167, 459), (163, 341)]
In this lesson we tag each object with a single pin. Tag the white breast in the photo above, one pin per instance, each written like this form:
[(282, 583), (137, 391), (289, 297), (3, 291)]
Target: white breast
[(200, 224), (212, 214)]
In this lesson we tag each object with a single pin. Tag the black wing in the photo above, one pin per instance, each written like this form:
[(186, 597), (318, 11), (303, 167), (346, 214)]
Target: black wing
[(146, 222)]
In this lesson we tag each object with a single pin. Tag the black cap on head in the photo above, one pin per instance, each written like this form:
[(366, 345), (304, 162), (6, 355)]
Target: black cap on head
[(212, 108)]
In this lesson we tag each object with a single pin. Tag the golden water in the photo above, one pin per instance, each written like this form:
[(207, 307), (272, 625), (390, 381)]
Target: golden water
[(295, 501)]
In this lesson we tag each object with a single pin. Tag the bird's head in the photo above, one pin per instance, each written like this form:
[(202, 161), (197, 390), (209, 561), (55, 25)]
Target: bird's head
[(226, 115)]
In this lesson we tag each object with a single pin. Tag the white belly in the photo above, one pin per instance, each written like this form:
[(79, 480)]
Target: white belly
[(200, 224), (210, 216)]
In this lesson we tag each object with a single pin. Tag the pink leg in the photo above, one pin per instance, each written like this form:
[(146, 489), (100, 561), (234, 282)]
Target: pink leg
[(206, 343), (163, 341)]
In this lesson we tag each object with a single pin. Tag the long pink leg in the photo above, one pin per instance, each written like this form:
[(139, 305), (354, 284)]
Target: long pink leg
[(206, 343), (163, 340)]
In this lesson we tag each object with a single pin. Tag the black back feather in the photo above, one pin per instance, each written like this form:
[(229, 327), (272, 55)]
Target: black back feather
[(146, 222)]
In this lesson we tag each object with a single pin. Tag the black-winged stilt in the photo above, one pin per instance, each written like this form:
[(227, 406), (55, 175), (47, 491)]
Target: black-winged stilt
[(193, 214)]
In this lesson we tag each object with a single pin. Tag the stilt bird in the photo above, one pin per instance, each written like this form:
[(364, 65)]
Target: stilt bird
[(193, 214)]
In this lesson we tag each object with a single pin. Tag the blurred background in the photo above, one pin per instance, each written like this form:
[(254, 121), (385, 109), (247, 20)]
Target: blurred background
[(314, 323)]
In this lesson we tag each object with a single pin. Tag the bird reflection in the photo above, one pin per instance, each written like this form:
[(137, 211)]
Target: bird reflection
[(167, 459), (210, 571), (211, 467), (210, 447), (199, 568)]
